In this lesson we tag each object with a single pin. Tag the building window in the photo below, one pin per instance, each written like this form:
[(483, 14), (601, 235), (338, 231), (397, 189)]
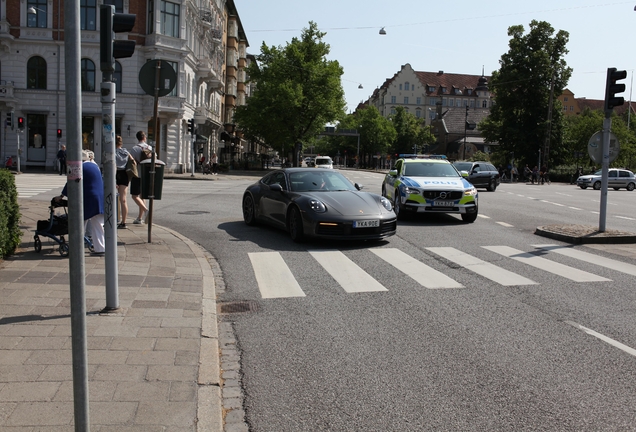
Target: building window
[(170, 18), (400, 86), (406, 86), (36, 73), (431, 89), (571, 107), (393, 110), (444, 90), (469, 92), (472, 103), (151, 16), (117, 77), (431, 101), (418, 113), (406, 100), (175, 90), (38, 19), (393, 99), (418, 100), (444, 101), (457, 91), (119, 5), (565, 99), (451, 102), (484, 104), (36, 130), (88, 133), (88, 14), (88, 75), (565, 108)]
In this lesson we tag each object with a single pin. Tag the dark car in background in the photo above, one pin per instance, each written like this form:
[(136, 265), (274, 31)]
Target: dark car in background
[(480, 174)]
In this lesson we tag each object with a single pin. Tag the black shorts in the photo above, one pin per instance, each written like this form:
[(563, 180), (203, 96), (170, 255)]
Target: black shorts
[(121, 178), (135, 186)]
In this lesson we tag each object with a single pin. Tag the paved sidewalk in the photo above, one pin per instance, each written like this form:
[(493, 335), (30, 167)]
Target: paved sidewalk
[(152, 366)]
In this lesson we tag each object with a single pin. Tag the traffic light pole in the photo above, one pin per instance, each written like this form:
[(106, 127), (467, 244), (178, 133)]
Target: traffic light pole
[(607, 126), (19, 148), (110, 197), (193, 140)]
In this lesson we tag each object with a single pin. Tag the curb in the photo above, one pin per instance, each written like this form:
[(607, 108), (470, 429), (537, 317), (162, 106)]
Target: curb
[(580, 234)]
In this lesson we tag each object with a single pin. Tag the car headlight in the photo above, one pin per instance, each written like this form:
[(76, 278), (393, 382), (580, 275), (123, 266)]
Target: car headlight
[(317, 206), (386, 203), (470, 192), (410, 191)]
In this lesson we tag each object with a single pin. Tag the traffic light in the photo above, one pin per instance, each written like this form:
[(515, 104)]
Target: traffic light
[(109, 48), (10, 121), (59, 133), (21, 123), (191, 128), (612, 87)]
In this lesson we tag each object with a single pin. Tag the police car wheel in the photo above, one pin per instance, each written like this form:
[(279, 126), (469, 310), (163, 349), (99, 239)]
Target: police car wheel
[(469, 217), (397, 206)]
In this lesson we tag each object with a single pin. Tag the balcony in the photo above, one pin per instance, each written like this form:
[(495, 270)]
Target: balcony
[(168, 106), (203, 114)]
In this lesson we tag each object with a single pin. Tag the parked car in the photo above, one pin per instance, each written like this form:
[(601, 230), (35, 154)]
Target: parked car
[(480, 174), (421, 185), (617, 179), (315, 202), (323, 162)]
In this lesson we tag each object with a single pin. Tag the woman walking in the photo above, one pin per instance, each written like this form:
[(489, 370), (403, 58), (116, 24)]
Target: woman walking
[(121, 178)]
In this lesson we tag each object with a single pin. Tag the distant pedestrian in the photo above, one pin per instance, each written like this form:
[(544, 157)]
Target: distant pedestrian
[(215, 164), (527, 173), (121, 178), (61, 157), (93, 197), (135, 182), (535, 174)]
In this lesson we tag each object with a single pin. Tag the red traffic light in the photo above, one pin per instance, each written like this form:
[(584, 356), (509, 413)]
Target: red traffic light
[(20, 122), (59, 133)]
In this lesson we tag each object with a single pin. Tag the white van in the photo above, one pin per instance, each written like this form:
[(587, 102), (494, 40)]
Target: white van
[(323, 162)]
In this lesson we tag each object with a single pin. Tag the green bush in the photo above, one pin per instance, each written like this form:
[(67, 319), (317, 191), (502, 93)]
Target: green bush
[(10, 233)]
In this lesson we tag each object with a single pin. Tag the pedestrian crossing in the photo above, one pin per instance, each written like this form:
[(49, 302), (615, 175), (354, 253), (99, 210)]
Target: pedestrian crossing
[(31, 185), (275, 279)]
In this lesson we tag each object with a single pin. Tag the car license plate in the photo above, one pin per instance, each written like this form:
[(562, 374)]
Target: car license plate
[(366, 223), (443, 203)]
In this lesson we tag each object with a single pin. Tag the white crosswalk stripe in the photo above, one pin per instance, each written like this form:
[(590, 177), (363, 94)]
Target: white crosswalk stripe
[(350, 277), (275, 279), (30, 185), (418, 271)]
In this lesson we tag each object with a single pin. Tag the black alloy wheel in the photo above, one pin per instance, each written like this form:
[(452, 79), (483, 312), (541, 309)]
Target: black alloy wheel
[(295, 225), (248, 210)]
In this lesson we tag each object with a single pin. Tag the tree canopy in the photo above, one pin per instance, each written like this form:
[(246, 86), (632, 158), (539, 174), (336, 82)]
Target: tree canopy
[(298, 91), (531, 73)]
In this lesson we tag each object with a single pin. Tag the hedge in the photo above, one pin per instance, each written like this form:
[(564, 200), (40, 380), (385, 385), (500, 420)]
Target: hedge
[(10, 232)]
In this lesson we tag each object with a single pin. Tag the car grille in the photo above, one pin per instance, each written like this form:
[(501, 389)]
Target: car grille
[(348, 230), (454, 195)]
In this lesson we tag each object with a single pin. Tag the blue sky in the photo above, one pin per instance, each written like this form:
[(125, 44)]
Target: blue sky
[(456, 36)]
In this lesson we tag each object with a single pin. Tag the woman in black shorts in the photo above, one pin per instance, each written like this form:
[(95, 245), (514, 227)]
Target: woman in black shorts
[(121, 178)]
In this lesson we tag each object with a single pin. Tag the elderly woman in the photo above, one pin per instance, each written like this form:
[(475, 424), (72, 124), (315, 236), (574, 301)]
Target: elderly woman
[(121, 178)]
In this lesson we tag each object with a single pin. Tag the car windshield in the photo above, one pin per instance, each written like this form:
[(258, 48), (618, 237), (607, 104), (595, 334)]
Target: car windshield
[(323, 161), (430, 169), (306, 181), (463, 166)]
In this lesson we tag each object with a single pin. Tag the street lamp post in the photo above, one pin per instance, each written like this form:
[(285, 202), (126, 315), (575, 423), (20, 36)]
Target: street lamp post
[(465, 130)]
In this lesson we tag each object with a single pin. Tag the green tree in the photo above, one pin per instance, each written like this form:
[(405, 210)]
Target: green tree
[(410, 132), (297, 92), (377, 133), (533, 67)]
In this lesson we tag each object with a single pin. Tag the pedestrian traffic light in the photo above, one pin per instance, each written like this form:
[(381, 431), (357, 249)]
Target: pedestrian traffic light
[(10, 121), (59, 133), (109, 48), (191, 129), (21, 123), (612, 87)]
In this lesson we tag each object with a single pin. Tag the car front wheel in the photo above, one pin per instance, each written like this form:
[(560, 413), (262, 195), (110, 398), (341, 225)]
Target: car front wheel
[(295, 225), (492, 185), (583, 187), (630, 186), (469, 217), (397, 205), (597, 185)]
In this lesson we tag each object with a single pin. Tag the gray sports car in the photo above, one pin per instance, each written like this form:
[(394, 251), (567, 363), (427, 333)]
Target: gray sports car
[(316, 202)]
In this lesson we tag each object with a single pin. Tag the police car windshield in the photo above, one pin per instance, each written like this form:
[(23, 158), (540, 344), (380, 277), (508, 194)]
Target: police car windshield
[(429, 169)]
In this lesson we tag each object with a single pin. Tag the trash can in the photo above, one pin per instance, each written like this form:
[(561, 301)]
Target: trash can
[(144, 177)]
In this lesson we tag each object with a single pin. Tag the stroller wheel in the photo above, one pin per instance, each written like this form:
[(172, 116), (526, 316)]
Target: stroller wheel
[(63, 249), (37, 244)]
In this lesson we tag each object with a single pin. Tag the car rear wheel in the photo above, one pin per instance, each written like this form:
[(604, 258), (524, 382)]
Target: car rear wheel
[(248, 210), (295, 225), (492, 185), (631, 186), (616, 188), (597, 185), (583, 187)]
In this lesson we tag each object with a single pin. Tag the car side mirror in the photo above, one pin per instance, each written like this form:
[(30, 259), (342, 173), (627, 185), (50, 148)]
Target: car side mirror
[(393, 173), (276, 187), (358, 186), (464, 173)]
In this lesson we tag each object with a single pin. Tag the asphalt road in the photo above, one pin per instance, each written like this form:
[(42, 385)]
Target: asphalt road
[(527, 337)]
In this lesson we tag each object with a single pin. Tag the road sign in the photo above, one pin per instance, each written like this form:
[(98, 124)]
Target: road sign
[(167, 77), (595, 147)]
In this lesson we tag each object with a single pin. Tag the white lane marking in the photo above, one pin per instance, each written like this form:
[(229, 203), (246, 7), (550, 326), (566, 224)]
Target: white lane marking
[(604, 338), (557, 204), (424, 275), (507, 225), (274, 278), (594, 212), (350, 277), (574, 208), (482, 268), (590, 258), (483, 216), (561, 193), (546, 265), (531, 198), (624, 217)]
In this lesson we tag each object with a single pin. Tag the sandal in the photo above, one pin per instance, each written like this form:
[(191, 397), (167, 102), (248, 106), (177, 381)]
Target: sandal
[(121, 226)]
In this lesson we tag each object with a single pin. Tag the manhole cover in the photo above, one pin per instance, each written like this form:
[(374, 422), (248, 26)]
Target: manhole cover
[(238, 307), (194, 212)]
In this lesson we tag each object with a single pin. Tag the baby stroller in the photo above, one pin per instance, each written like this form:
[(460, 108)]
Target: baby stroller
[(55, 228)]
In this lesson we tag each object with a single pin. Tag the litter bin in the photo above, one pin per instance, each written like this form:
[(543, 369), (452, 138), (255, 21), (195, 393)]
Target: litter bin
[(144, 177)]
